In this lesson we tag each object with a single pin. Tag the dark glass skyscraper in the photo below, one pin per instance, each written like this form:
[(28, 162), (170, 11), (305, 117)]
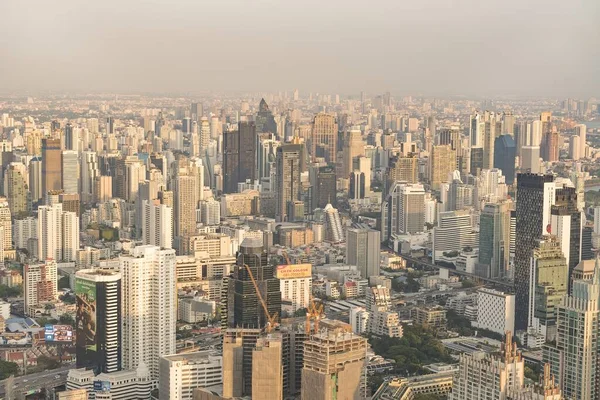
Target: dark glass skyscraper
[(505, 151), (535, 194), (325, 191), (565, 206), (243, 305), (98, 320), (265, 122), (239, 156), (290, 163)]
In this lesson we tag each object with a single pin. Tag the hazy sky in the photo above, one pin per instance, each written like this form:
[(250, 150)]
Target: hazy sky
[(437, 47)]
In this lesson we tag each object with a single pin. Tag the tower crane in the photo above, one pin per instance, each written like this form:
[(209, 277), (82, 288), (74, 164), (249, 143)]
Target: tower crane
[(271, 319)]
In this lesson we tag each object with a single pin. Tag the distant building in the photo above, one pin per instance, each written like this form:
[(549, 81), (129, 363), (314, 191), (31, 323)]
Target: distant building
[(180, 374), (496, 311)]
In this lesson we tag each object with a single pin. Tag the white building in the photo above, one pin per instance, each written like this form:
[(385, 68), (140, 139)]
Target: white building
[(335, 231), (295, 284), (157, 224), (210, 212), (39, 284), (70, 168), (58, 233), (121, 385), (359, 320), (195, 310), (149, 306), (454, 232), (23, 230), (180, 374), (496, 311)]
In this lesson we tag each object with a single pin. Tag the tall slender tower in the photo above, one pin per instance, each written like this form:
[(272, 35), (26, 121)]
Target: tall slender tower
[(51, 165), (290, 163), (149, 306), (98, 320), (535, 196), (324, 137)]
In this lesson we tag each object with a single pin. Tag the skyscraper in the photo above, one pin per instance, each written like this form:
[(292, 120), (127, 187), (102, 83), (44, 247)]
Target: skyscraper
[(324, 137), (51, 165), (265, 122), (548, 285), (149, 306), (16, 188), (98, 320), (5, 224), (333, 224), (535, 196), (334, 366), (58, 233), (504, 156), (403, 211), (70, 171), (363, 247), (239, 156), (157, 224), (324, 191), (290, 164), (184, 210), (566, 225), (574, 357), (354, 146), (442, 164), (581, 131), (244, 308), (494, 239)]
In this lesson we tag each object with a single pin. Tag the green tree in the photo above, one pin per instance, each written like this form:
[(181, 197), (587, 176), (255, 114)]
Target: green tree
[(45, 363), (7, 369), (67, 319), (7, 291)]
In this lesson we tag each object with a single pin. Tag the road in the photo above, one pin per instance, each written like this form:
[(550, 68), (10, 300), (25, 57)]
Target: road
[(23, 384)]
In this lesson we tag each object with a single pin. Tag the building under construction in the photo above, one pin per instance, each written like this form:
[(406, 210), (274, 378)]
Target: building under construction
[(334, 364)]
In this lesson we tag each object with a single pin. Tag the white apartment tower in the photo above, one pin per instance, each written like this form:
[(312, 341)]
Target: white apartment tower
[(149, 306), (58, 233), (39, 284), (157, 224)]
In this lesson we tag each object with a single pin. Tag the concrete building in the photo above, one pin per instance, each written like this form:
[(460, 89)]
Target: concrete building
[(403, 211), (23, 230), (333, 224), (363, 247), (295, 284), (454, 233), (442, 164), (574, 357), (149, 306), (290, 163), (39, 284), (496, 311), (334, 366), (494, 239), (157, 224), (324, 137), (58, 233), (180, 374), (51, 165), (121, 385), (267, 368)]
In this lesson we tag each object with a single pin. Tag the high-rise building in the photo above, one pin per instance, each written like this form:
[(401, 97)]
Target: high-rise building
[(184, 210), (354, 146), (98, 320), (381, 320), (574, 148), (39, 284), (550, 146), (51, 165), (334, 366), (268, 368), (324, 137), (265, 122), (460, 195), (454, 232), (491, 130), (324, 190), (16, 188), (5, 224), (89, 171), (157, 224), (530, 159), (581, 132), (535, 196), (290, 164), (244, 308), (333, 224), (405, 169), (505, 152), (70, 171), (403, 211), (574, 357), (239, 156), (482, 376), (363, 247), (58, 233), (149, 306), (295, 284), (566, 225), (443, 163), (494, 239), (496, 311), (23, 230), (180, 374), (35, 179), (548, 285)]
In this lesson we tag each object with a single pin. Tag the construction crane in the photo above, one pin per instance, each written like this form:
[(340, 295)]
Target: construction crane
[(315, 313), (271, 319)]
